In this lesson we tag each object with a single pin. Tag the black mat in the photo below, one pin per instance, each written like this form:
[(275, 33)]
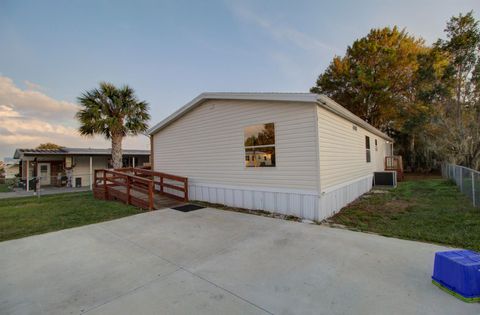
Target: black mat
[(188, 208)]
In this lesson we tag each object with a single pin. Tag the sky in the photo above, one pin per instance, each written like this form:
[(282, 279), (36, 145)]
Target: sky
[(171, 51)]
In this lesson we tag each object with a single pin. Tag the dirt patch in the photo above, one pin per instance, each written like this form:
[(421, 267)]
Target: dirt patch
[(398, 205), (379, 203)]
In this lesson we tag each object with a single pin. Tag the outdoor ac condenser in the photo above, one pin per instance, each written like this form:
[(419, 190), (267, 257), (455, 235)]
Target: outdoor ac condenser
[(385, 178)]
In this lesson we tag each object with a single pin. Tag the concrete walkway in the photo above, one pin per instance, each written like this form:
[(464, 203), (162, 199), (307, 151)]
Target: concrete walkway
[(217, 262), (43, 191)]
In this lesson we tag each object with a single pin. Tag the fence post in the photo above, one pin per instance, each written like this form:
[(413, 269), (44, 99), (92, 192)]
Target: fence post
[(473, 189), (461, 178)]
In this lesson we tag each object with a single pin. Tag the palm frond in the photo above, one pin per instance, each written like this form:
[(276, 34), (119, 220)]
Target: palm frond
[(110, 111)]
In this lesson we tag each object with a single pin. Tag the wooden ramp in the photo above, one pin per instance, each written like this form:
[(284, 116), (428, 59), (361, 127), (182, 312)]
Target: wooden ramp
[(141, 187)]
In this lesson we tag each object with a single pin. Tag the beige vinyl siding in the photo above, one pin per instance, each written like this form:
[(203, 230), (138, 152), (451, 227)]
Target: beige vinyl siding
[(82, 167), (207, 144), (343, 152)]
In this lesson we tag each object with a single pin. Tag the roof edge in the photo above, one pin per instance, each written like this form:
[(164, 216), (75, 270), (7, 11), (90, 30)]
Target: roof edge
[(319, 99), (21, 152), (341, 111), (283, 97)]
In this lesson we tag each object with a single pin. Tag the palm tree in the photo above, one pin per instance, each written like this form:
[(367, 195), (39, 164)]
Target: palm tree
[(114, 113)]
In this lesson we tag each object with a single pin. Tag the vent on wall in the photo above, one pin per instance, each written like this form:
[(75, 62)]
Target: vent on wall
[(354, 127), (387, 179)]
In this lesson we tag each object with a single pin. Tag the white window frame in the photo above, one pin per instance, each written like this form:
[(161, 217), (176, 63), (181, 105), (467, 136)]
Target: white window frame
[(245, 148), (368, 150)]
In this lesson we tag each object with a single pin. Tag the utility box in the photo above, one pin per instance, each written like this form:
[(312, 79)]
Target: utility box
[(458, 273)]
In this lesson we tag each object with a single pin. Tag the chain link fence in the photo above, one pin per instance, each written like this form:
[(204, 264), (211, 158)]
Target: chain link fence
[(467, 180)]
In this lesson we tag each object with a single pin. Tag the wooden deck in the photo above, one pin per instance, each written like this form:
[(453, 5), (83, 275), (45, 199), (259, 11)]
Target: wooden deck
[(159, 201), (394, 163), (140, 187)]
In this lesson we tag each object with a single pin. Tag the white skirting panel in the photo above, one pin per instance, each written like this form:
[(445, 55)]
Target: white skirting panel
[(303, 204), (300, 203), (335, 198)]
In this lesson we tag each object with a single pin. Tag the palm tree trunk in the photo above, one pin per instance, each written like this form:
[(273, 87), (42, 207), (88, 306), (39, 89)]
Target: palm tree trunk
[(117, 151)]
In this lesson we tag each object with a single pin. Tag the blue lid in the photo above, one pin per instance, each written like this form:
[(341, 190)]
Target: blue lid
[(459, 271)]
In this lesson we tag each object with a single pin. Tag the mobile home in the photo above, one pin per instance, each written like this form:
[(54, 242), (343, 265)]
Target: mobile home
[(300, 154)]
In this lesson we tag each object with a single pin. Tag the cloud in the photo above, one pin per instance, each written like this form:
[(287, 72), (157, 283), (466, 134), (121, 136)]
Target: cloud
[(283, 32), (7, 111), (33, 102), (297, 55), (22, 127), (33, 86)]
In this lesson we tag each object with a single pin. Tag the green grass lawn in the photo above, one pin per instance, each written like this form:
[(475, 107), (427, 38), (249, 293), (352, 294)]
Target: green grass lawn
[(20, 217), (4, 188), (431, 210)]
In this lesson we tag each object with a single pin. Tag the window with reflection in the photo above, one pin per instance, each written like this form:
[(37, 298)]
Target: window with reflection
[(367, 148), (260, 145)]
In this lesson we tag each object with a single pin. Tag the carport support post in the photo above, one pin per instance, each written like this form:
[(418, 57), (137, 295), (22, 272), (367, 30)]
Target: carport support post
[(133, 161), (91, 172), (27, 170)]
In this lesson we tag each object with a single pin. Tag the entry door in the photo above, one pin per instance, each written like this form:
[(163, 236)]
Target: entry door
[(44, 173)]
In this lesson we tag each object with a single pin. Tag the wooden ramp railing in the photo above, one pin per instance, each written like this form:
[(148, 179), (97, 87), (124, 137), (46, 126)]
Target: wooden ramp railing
[(138, 186)]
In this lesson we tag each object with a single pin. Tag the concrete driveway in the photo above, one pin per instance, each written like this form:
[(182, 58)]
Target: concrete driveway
[(217, 262)]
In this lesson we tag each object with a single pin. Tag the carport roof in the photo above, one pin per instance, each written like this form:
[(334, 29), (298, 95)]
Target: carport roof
[(19, 153)]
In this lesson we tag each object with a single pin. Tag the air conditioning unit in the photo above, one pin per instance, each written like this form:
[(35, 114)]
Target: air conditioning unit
[(385, 179)]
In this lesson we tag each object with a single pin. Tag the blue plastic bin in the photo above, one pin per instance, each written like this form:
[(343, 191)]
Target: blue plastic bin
[(458, 272)]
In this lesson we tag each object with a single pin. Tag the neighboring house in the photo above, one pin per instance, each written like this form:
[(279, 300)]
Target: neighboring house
[(70, 167), (11, 168), (293, 153)]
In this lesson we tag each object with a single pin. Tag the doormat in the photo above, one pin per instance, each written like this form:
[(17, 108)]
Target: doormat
[(188, 208)]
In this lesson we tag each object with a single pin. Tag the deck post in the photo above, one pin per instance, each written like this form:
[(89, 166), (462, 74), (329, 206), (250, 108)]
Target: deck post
[(128, 191), (150, 195), (105, 184), (185, 183)]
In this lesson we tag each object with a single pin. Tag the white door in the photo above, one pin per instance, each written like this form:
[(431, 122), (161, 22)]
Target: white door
[(44, 173)]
